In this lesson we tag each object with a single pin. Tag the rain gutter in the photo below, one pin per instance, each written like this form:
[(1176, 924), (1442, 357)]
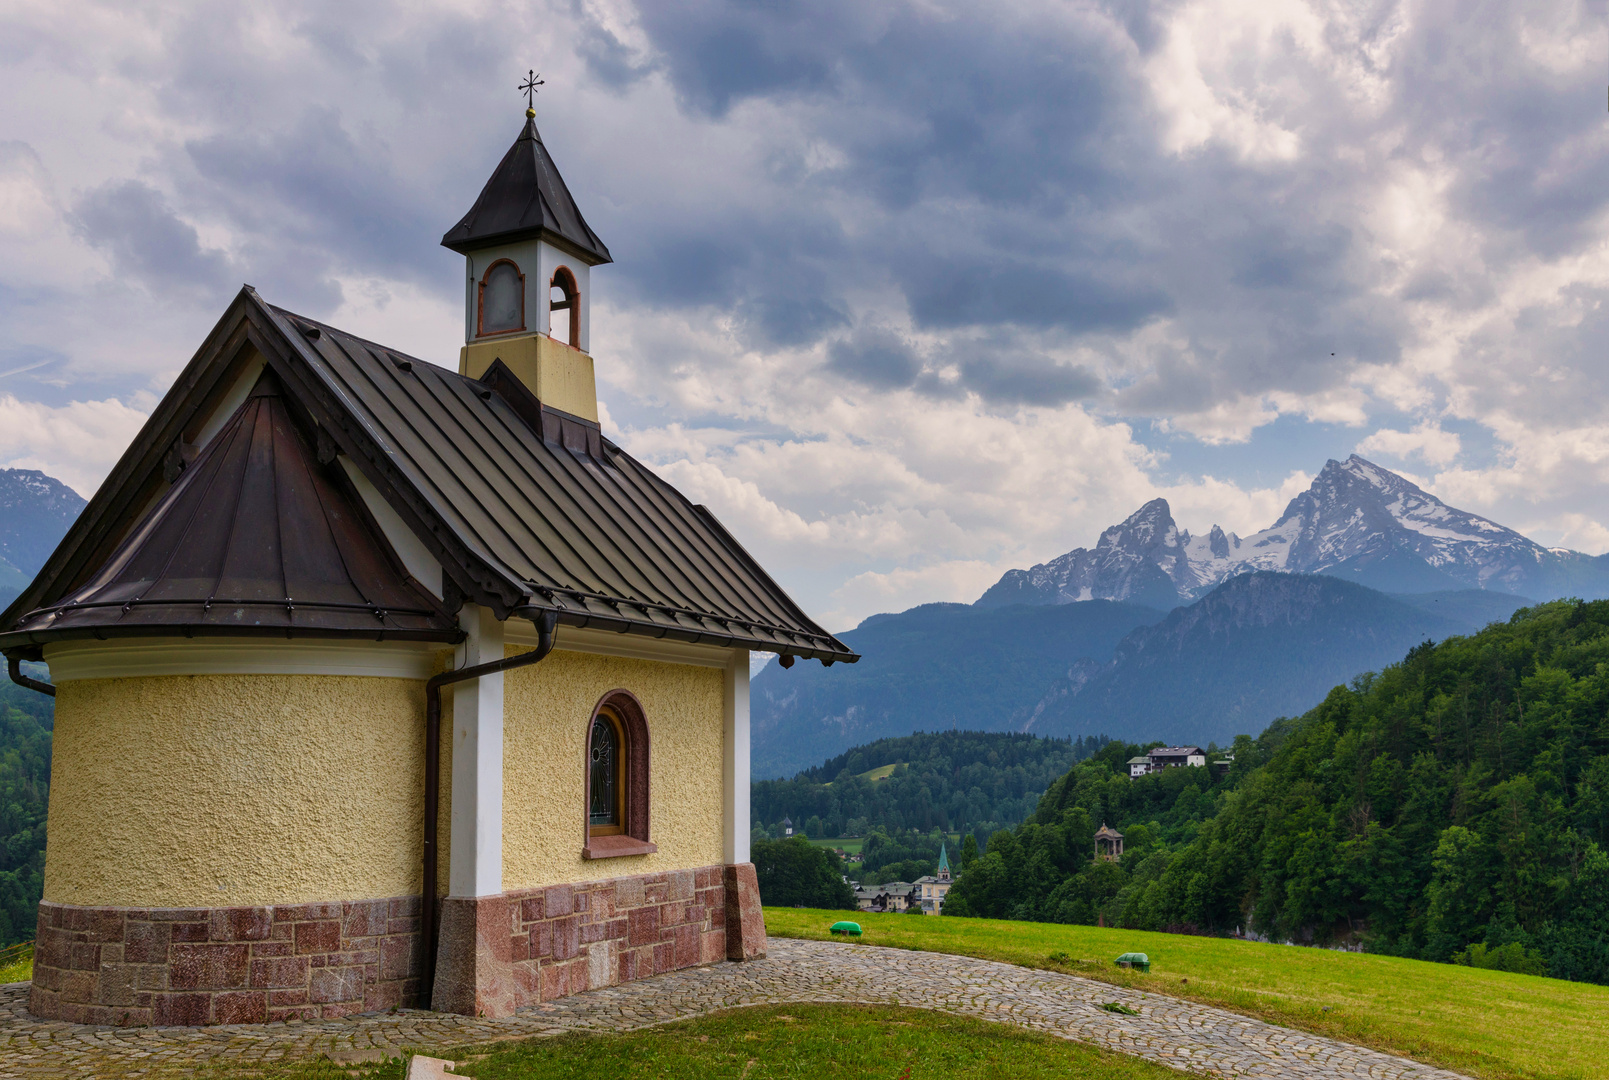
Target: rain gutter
[(546, 620)]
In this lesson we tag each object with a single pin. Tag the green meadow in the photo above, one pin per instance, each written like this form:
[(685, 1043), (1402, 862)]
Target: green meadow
[(1490, 1024), (773, 1042), (853, 845)]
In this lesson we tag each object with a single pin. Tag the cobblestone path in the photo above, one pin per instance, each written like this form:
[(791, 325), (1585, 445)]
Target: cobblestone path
[(1186, 1036)]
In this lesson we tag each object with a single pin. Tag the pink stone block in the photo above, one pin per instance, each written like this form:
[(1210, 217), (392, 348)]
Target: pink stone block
[(208, 967), (566, 938), (188, 1010), (643, 926), (559, 900), (318, 937), (240, 1007), (327, 985), (240, 924)]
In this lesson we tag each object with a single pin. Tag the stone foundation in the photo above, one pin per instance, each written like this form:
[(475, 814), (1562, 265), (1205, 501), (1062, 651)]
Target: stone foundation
[(236, 965), (241, 965), (498, 953)]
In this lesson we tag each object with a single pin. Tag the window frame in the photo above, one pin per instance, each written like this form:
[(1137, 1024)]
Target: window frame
[(610, 715), (632, 837), (480, 301), (564, 280)]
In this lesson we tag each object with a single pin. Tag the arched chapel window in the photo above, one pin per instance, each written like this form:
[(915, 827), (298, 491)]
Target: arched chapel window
[(606, 811), (502, 299), (617, 779), (565, 296)]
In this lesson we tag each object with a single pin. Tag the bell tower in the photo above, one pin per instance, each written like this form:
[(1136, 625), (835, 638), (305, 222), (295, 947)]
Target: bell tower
[(528, 257)]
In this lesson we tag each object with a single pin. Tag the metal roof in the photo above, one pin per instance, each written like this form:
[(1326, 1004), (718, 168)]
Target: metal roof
[(526, 197), (572, 524), (604, 541), (254, 536)]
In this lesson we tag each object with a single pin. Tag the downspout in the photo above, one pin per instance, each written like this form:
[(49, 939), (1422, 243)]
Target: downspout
[(14, 667), (546, 620)]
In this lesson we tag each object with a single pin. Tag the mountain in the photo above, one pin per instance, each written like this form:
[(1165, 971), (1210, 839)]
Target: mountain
[(1260, 646), (35, 511), (1357, 521), (931, 668), (1143, 560)]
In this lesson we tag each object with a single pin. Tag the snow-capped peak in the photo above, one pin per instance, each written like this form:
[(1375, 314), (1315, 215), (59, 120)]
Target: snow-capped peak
[(1357, 520)]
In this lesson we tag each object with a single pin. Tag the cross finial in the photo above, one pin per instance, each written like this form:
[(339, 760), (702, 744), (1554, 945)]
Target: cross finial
[(532, 81)]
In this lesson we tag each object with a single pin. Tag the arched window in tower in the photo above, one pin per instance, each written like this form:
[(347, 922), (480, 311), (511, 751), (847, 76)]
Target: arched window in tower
[(565, 296), (502, 299)]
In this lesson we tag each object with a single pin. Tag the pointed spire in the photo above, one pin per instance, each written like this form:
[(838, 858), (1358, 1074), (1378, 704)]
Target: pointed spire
[(944, 860), (526, 198)]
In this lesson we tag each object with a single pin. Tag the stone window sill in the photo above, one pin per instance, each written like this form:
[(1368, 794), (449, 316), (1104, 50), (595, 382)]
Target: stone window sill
[(615, 847)]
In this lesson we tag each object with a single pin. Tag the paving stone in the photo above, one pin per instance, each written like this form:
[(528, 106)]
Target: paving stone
[(1182, 1035)]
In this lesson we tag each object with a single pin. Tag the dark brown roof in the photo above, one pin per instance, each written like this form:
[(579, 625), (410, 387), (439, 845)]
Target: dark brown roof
[(515, 519), (254, 536), (526, 197)]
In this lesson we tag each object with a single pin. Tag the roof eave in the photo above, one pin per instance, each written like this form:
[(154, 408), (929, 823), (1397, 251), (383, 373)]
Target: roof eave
[(30, 639), (592, 257)]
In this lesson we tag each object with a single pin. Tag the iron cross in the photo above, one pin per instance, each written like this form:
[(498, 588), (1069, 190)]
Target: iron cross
[(532, 81)]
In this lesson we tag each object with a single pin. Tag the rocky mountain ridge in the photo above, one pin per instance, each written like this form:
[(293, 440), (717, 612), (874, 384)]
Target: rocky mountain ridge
[(35, 512), (1358, 521)]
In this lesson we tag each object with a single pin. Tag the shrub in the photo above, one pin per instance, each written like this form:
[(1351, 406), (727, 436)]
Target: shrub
[(1510, 957)]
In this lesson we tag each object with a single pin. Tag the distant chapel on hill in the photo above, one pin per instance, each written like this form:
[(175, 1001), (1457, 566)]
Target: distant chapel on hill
[(381, 684)]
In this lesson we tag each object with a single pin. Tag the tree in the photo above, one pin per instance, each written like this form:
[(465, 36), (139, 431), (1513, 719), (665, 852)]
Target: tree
[(796, 873), (969, 852)]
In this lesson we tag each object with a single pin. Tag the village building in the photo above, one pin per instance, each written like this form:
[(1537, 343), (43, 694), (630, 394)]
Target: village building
[(1166, 757), (1108, 844), (890, 896), (382, 684), (932, 889)]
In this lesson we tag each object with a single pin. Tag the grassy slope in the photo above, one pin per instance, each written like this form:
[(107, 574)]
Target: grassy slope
[(851, 845), (1488, 1024), (768, 1042)]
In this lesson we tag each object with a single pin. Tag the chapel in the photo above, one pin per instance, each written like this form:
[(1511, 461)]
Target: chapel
[(382, 684)]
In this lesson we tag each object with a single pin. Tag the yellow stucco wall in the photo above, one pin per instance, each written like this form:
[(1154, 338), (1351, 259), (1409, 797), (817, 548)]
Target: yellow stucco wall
[(545, 713), (214, 790), (218, 790), (559, 375)]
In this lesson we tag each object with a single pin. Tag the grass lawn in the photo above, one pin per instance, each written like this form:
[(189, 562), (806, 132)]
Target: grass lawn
[(1486, 1023), (770, 1042), (19, 970), (852, 845)]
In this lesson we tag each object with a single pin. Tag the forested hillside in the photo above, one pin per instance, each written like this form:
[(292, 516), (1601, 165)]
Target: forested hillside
[(1261, 645), (1453, 807), (25, 729), (932, 667), (945, 780)]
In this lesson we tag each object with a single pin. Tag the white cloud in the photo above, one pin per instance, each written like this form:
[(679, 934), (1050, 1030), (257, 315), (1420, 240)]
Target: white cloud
[(1259, 216), (76, 443), (1426, 441)]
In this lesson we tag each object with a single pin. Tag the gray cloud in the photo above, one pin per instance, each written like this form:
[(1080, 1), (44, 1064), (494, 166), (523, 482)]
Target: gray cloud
[(876, 357), (147, 241), (1008, 380)]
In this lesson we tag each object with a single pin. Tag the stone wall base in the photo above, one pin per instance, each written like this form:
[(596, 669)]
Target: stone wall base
[(234, 965), (239, 965), (745, 922), (499, 953)]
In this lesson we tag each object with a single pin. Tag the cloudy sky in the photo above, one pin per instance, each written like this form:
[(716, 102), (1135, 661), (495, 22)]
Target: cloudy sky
[(908, 293)]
